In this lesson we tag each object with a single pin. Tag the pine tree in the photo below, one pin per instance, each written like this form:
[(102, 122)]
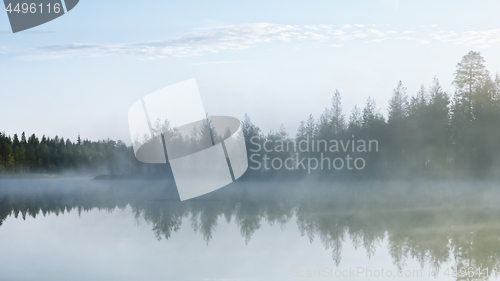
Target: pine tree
[(418, 102), (250, 131), (400, 134), (474, 91), (337, 118), (19, 155), (356, 119), (311, 128), (283, 133), (301, 132), (371, 114), (6, 152), (470, 75), (398, 105), (323, 130)]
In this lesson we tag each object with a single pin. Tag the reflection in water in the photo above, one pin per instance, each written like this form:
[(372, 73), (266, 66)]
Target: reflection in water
[(432, 223)]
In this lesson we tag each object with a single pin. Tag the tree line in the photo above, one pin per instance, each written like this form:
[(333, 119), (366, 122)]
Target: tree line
[(432, 134), (48, 155)]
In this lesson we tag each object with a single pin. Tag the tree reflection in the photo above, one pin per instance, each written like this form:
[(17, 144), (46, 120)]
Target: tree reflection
[(458, 224)]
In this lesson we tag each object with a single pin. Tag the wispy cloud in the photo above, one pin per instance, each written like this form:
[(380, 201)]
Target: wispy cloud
[(218, 62), (406, 38), (4, 50), (207, 40), (214, 39), (478, 38)]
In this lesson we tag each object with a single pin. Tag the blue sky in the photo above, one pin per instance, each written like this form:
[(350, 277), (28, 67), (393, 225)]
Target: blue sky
[(278, 61)]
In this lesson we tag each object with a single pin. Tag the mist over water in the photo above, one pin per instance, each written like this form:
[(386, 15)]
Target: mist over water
[(268, 230)]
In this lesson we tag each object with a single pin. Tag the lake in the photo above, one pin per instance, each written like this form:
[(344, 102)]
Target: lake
[(84, 229)]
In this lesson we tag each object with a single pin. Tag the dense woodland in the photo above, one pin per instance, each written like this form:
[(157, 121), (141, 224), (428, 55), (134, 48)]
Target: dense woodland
[(432, 134)]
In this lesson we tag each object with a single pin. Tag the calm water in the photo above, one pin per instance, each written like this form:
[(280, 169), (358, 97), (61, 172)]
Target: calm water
[(81, 229)]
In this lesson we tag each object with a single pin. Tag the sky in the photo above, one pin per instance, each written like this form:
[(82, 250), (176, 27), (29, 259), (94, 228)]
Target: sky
[(277, 61)]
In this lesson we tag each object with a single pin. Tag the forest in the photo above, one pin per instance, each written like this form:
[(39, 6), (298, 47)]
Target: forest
[(431, 134)]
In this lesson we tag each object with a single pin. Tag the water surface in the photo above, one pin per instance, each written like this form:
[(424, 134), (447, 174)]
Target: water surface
[(81, 229)]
